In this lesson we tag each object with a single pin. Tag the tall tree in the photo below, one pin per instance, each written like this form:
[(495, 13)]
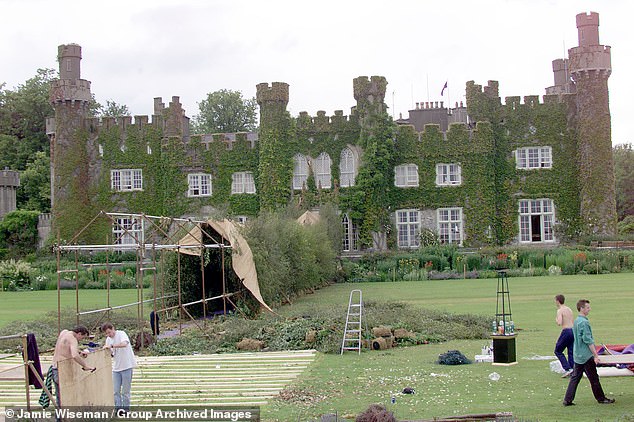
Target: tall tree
[(112, 109), (34, 192), (624, 175), (225, 111), (23, 114)]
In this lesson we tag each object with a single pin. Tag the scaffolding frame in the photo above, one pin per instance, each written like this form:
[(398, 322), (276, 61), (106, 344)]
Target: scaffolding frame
[(164, 233)]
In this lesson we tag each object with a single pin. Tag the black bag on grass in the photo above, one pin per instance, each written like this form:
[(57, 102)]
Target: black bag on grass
[(453, 357)]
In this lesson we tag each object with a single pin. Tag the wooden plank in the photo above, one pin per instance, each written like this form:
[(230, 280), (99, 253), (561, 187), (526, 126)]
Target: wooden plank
[(85, 388), (617, 359)]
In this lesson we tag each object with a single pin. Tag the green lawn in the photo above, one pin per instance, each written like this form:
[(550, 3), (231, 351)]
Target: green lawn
[(24, 306), (348, 384)]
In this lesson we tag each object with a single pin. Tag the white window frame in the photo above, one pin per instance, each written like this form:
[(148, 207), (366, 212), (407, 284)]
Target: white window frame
[(350, 239), (450, 225), (125, 229), (347, 168), (323, 176), (408, 228), (532, 158), (536, 211), (242, 182), (300, 171), (199, 184), (406, 176), (125, 180), (448, 174)]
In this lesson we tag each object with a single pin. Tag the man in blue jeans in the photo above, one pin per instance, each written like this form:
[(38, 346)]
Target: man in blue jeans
[(586, 358), (123, 362), (566, 338)]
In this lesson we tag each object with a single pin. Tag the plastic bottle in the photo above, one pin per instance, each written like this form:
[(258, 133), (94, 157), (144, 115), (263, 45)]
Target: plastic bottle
[(494, 325), (512, 328), (501, 327)]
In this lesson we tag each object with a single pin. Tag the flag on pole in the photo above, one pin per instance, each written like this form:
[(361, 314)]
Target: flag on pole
[(443, 89)]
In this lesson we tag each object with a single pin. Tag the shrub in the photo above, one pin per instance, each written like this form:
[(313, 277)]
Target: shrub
[(15, 275), (18, 233)]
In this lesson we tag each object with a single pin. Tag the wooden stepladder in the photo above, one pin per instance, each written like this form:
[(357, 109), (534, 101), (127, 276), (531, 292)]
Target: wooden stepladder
[(354, 318)]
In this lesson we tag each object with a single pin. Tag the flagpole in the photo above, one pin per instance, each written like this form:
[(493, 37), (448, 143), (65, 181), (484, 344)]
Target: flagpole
[(427, 88), (448, 97)]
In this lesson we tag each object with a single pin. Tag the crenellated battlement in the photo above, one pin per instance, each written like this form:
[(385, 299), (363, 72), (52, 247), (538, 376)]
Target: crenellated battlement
[(231, 140), (514, 102), (323, 123), (9, 178), (277, 92), (369, 89), (63, 90)]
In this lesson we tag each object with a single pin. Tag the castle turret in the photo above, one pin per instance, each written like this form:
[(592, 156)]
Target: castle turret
[(9, 183), (590, 68), (275, 166), (70, 96)]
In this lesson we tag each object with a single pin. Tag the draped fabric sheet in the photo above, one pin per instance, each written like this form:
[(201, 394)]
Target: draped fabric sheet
[(241, 255)]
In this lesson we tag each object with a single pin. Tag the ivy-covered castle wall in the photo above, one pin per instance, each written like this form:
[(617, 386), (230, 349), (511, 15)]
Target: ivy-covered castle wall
[(567, 129)]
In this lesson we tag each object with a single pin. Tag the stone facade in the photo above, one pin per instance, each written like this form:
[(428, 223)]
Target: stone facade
[(526, 171)]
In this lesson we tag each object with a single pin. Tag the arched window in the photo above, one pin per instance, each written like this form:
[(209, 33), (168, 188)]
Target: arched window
[(346, 168), (322, 171), (300, 171)]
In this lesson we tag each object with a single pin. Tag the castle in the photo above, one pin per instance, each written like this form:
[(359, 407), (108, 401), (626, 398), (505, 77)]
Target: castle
[(526, 172)]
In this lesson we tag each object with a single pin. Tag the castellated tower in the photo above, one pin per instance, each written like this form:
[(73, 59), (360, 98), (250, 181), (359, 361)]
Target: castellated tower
[(590, 68), (70, 97), (370, 96), (274, 168)]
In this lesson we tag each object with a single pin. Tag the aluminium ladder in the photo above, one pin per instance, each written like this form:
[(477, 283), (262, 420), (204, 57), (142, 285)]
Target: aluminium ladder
[(354, 317)]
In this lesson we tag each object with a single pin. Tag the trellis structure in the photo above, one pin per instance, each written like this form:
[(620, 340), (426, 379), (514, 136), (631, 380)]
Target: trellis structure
[(147, 236)]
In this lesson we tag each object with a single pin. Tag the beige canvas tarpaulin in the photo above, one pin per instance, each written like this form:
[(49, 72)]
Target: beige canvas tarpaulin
[(308, 218), (241, 255)]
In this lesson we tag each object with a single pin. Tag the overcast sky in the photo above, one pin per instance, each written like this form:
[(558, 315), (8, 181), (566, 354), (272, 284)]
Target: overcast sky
[(136, 50)]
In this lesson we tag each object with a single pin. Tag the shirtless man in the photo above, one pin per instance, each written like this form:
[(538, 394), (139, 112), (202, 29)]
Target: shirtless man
[(67, 347), (566, 339)]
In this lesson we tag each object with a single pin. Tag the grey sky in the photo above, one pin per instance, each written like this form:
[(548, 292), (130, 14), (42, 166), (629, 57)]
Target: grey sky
[(136, 50)]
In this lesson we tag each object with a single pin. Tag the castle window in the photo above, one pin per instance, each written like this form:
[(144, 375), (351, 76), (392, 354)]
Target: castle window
[(242, 182), (406, 175), (408, 228), (68, 65), (199, 184), (100, 150), (537, 218), (322, 171), (350, 234), (448, 175), (450, 225), (534, 158), (127, 231), (346, 168), (300, 171), (126, 179), (148, 148)]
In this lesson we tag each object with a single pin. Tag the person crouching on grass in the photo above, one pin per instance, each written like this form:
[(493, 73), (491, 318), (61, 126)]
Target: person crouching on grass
[(123, 362)]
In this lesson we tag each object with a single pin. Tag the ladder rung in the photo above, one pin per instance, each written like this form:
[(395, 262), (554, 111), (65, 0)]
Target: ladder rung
[(355, 305), (354, 314), (352, 331), (351, 339), (350, 348)]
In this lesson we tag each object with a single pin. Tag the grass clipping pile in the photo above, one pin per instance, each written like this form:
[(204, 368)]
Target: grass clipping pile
[(322, 329)]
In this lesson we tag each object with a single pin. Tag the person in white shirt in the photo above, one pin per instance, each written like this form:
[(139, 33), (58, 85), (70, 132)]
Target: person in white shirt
[(123, 363)]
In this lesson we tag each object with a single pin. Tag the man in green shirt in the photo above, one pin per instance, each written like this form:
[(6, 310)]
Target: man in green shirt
[(585, 356)]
